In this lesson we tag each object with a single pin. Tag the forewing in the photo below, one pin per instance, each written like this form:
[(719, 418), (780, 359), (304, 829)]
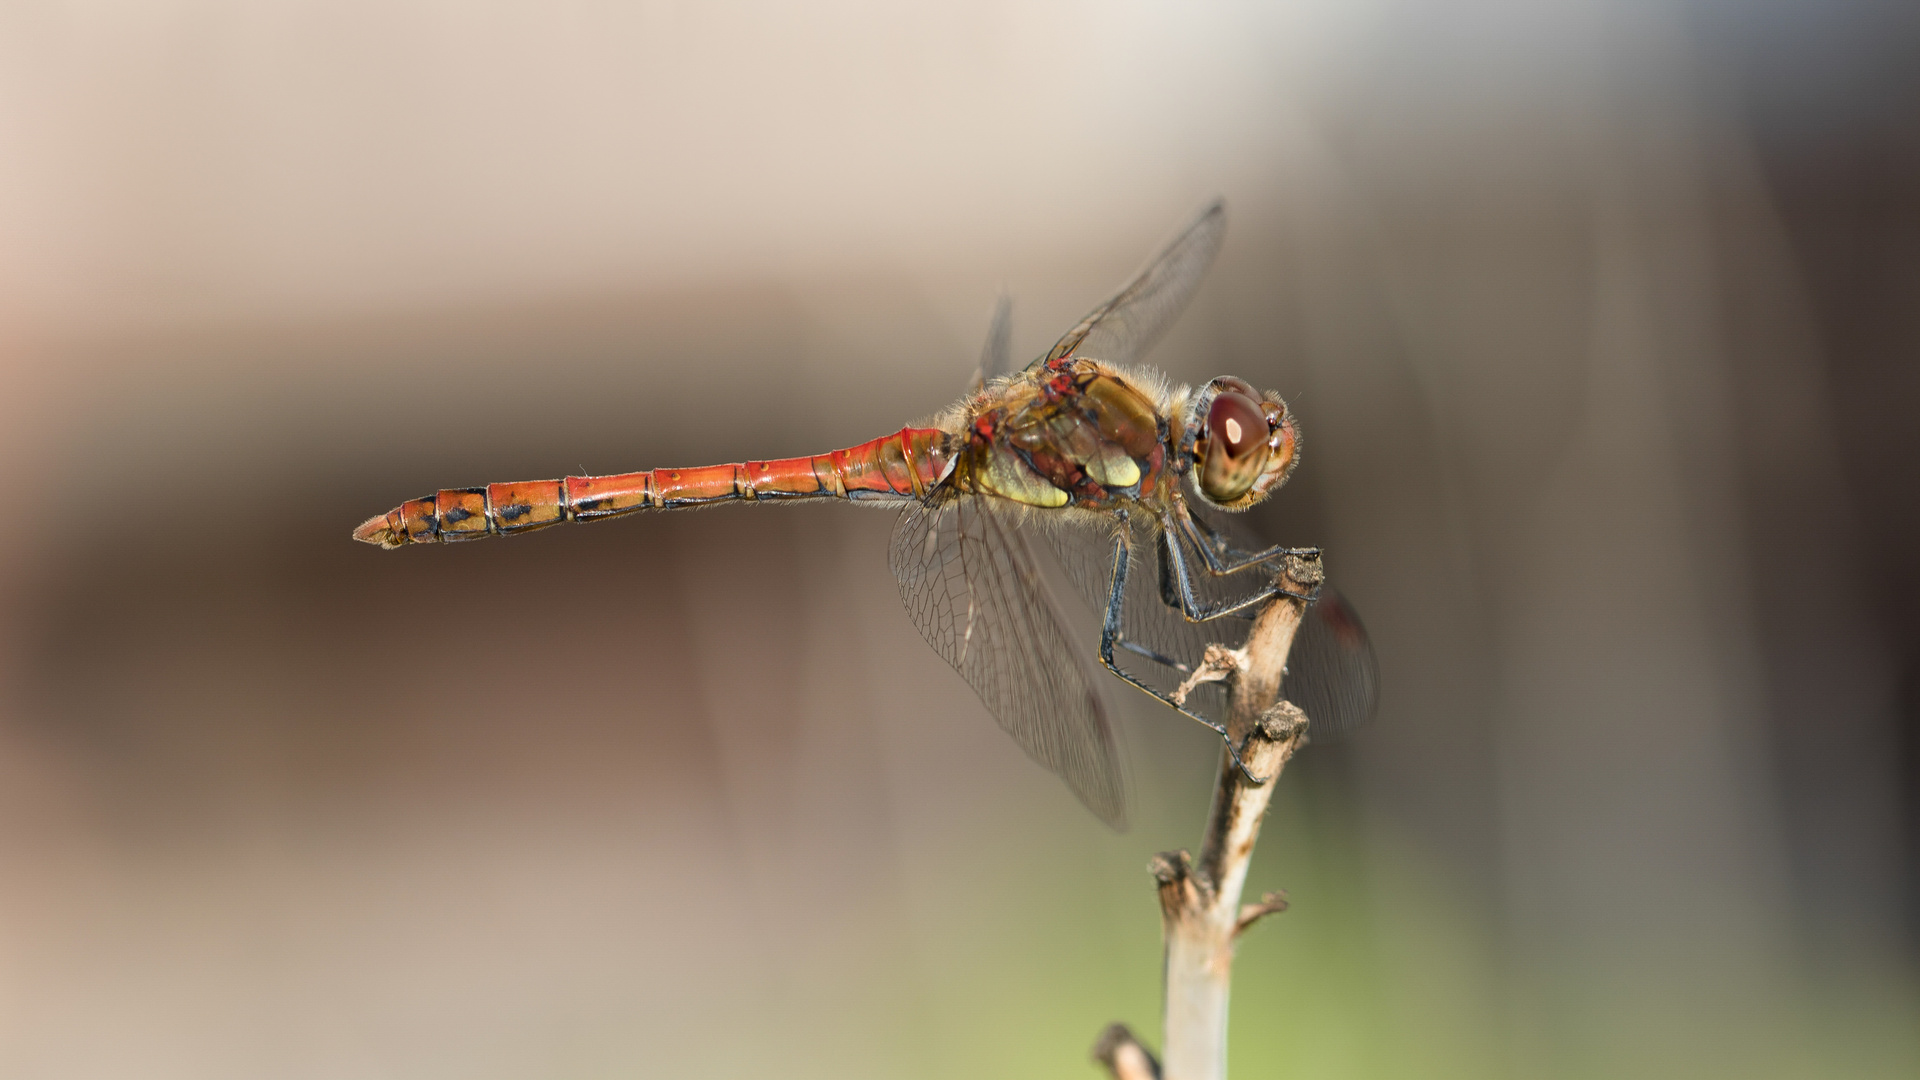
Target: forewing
[(1124, 327), (971, 584)]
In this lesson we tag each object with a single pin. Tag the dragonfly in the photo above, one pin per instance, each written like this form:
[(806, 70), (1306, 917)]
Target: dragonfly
[(1073, 468)]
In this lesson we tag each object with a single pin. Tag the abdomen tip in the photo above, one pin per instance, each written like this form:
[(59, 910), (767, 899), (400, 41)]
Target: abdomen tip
[(376, 530)]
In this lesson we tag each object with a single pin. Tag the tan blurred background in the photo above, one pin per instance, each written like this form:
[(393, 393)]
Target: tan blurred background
[(1600, 317)]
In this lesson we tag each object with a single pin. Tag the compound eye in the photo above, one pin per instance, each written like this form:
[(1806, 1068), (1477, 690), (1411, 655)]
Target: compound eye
[(1237, 423), (1237, 446)]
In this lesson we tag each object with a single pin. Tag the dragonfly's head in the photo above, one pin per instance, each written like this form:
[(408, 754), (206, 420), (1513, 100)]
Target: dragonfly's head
[(1238, 444)]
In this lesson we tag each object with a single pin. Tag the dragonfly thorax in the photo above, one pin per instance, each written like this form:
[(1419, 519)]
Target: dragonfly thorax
[(1081, 434)]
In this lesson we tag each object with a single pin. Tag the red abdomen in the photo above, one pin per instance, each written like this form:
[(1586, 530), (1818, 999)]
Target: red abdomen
[(904, 465)]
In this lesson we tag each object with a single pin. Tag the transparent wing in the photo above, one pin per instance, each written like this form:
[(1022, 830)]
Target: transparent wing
[(1331, 672), (1159, 646), (971, 584), (1124, 327), (996, 356)]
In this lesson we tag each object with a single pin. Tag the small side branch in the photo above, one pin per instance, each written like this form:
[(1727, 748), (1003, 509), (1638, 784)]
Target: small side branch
[(1123, 1055), (1200, 911), (1221, 664), (1272, 903)]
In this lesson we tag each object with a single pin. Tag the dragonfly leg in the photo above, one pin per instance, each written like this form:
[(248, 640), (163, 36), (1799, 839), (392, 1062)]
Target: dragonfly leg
[(1220, 556), (1198, 610), (1111, 636), (1176, 588), (1138, 649)]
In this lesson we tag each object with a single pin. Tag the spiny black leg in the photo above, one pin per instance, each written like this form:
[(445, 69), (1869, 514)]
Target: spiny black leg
[(1198, 610), (1110, 636), (1169, 589), (1138, 649), (1203, 528), (1220, 556)]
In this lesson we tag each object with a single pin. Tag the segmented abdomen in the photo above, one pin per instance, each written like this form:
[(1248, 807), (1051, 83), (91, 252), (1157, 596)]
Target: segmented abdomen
[(903, 465)]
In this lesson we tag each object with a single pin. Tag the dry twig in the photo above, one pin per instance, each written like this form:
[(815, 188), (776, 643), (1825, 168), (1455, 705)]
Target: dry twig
[(1200, 912)]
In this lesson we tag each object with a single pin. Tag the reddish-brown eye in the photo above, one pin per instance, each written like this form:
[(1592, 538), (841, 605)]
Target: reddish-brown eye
[(1227, 383), (1236, 450), (1236, 424)]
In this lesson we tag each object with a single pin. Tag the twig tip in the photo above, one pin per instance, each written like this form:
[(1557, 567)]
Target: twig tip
[(1170, 866), (1283, 720), (1124, 1056)]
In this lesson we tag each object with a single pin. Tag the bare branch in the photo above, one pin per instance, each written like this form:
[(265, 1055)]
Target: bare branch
[(1200, 910)]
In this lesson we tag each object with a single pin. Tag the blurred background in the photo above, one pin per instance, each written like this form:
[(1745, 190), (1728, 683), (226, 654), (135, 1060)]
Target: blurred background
[(1602, 320)]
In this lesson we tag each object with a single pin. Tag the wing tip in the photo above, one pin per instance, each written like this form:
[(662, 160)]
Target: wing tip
[(1115, 818)]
